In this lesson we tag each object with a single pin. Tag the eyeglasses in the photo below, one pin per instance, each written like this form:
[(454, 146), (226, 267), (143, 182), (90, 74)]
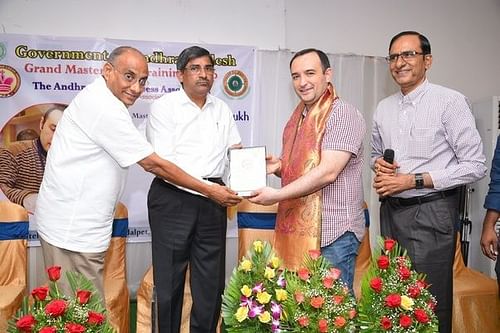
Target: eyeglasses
[(130, 77), (196, 69), (405, 55)]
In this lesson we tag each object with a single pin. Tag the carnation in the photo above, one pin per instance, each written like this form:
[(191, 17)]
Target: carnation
[(47, 310)]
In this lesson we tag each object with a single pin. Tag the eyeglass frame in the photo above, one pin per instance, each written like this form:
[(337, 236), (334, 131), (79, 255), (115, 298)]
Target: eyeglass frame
[(405, 55), (131, 80), (196, 69)]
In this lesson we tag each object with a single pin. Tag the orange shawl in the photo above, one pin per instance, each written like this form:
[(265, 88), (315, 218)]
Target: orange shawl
[(298, 223)]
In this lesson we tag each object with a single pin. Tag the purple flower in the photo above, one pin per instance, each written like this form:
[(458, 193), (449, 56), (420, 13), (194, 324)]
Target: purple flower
[(259, 287), (275, 310), (275, 327), (281, 281), (245, 301), (255, 310)]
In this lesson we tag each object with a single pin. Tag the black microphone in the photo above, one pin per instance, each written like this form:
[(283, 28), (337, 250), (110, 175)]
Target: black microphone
[(389, 156)]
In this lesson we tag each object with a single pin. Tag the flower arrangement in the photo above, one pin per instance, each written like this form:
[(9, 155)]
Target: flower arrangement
[(319, 301), (394, 298), (48, 311), (253, 299)]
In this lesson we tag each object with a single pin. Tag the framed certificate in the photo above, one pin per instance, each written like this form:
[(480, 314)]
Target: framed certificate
[(247, 167)]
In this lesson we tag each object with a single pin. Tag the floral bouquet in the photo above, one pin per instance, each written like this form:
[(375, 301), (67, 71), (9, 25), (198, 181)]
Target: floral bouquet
[(51, 312), (253, 299), (319, 301), (394, 298)]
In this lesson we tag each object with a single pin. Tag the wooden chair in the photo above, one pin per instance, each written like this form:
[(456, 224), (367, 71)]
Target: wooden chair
[(116, 293), (13, 259), (476, 305), (363, 260), (255, 222)]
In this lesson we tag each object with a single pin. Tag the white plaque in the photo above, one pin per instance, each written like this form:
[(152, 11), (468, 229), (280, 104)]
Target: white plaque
[(247, 169)]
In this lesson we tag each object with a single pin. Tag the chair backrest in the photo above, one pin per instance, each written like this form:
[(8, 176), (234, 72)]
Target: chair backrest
[(13, 244), (115, 260), (255, 222)]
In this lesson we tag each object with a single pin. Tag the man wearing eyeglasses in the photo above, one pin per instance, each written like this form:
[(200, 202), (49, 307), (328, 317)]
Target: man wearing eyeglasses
[(95, 143), (436, 148), (193, 129)]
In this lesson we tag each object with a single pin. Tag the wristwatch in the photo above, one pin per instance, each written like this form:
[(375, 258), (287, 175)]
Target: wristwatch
[(419, 181)]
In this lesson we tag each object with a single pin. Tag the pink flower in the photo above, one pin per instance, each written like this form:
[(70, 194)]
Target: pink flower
[(340, 322), (337, 299), (328, 282), (303, 321), (314, 254), (323, 325), (317, 302), (304, 274), (335, 273), (299, 297)]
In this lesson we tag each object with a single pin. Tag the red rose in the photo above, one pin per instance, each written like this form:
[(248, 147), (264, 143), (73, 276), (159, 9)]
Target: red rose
[(340, 322), (389, 244), (383, 262), (314, 254), (421, 316), (385, 323), (54, 273), (26, 323), (95, 318), (337, 299), (432, 305), (40, 293), (376, 284), (299, 297), (56, 308), (304, 274), (50, 329), (74, 328), (83, 296), (328, 282), (393, 300), (323, 325), (404, 272), (303, 321), (422, 284), (404, 321), (414, 291), (317, 302)]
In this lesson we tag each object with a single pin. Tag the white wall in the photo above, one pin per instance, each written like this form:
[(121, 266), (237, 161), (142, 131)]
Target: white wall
[(463, 34)]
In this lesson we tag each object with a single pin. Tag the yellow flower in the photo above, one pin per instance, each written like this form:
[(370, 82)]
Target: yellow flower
[(275, 262), (263, 297), (246, 291), (406, 302), (265, 317), (258, 246), (269, 273), (246, 265), (281, 295), (241, 313)]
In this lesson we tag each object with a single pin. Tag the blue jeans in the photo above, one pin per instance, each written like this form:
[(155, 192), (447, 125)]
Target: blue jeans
[(342, 255)]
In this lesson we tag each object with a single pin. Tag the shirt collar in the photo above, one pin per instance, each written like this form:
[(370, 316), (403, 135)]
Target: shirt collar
[(186, 100), (414, 96)]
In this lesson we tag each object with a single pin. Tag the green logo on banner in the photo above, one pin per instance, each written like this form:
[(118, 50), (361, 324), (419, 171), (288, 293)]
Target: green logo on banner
[(3, 51)]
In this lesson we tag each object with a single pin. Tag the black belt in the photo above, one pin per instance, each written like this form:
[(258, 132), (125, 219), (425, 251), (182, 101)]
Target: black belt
[(217, 180), (421, 199)]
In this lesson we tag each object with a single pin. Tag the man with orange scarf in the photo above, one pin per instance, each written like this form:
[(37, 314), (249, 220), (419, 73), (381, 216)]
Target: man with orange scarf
[(321, 198)]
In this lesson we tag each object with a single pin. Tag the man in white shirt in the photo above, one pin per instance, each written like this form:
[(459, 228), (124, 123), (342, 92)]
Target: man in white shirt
[(194, 130), (95, 143)]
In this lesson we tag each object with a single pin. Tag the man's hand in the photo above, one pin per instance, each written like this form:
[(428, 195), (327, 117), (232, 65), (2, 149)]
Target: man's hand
[(223, 195), (382, 167), (390, 184), (29, 202), (489, 240), (273, 165), (265, 196)]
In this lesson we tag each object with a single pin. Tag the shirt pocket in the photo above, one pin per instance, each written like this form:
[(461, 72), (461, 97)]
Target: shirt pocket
[(421, 142)]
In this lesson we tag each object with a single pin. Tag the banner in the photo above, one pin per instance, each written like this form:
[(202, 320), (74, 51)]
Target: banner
[(39, 71)]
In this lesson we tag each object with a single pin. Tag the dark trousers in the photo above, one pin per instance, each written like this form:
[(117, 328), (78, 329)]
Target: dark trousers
[(187, 228), (428, 232)]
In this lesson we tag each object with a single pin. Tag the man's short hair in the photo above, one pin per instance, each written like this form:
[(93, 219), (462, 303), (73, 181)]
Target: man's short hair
[(59, 107), (190, 53), (425, 45), (27, 134), (325, 63)]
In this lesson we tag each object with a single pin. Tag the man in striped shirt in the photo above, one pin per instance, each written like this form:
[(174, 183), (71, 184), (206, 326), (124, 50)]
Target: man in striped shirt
[(22, 163), (321, 199), (436, 149)]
